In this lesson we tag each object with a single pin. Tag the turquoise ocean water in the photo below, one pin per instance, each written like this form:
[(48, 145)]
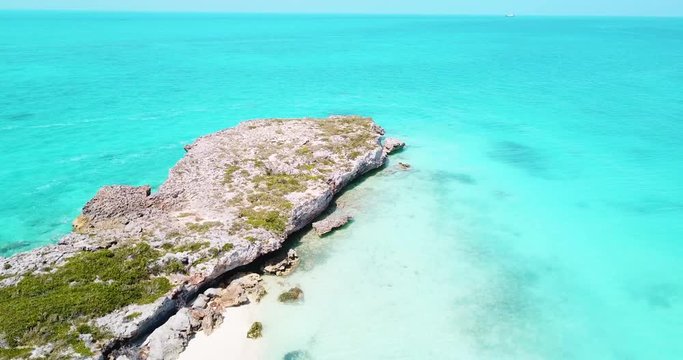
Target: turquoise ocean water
[(542, 217)]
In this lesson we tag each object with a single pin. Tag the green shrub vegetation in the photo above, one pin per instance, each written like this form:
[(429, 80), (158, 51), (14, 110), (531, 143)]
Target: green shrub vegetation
[(271, 220), (281, 184), (269, 199), (43, 308), (12, 353), (174, 266)]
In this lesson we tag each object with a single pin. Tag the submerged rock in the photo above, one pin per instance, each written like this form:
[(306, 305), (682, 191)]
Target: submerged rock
[(235, 196), (292, 295), (403, 166), (330, 223), (255, 331), (297, 355)]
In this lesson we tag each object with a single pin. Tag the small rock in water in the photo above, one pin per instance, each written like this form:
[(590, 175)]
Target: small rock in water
[(392, 145), (255, 331), (330, 223), (292, 295)]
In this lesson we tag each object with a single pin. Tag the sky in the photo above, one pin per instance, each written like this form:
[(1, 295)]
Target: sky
[(520, 7)]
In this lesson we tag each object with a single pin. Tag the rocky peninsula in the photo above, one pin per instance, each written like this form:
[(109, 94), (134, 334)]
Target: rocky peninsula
[(131, 280)]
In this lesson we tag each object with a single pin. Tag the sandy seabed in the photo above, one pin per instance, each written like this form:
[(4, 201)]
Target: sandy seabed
[(229, 340)]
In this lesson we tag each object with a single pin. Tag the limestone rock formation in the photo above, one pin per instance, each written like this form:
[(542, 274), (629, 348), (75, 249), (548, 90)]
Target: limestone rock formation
[(235, 196), (331, 222)]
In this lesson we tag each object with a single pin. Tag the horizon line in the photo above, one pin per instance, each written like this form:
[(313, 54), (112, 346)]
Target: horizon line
[(284, 13)]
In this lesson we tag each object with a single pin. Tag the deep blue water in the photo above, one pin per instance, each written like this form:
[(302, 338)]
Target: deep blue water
[(543, 215)]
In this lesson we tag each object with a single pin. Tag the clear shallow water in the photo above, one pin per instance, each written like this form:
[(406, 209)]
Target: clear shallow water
[(542, 217)]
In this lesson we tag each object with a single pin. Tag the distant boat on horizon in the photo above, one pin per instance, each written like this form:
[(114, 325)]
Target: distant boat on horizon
[(510, 15)]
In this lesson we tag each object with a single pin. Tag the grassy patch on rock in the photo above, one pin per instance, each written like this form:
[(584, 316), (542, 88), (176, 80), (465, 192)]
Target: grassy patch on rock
[(174, 266), (304, 151), (132, 316), (192, 247), (202, 228), (271, 220), (281, 184), (42, 308), (229, 172), (12, 353), (351, 134), (227, 247)]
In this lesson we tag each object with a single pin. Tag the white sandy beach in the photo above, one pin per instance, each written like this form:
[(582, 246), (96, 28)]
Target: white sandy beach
[(229, 340)]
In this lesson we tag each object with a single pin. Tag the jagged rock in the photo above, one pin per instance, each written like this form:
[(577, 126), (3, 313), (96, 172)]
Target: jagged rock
[(170, 339), (233, 295), (377, 129), (330, 223), (242, 289), (119, 323), (200, 302), (225, 228), (113, 207), (392, 145), (41, 352), (212, 292), (210, 321), (282, 265)]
